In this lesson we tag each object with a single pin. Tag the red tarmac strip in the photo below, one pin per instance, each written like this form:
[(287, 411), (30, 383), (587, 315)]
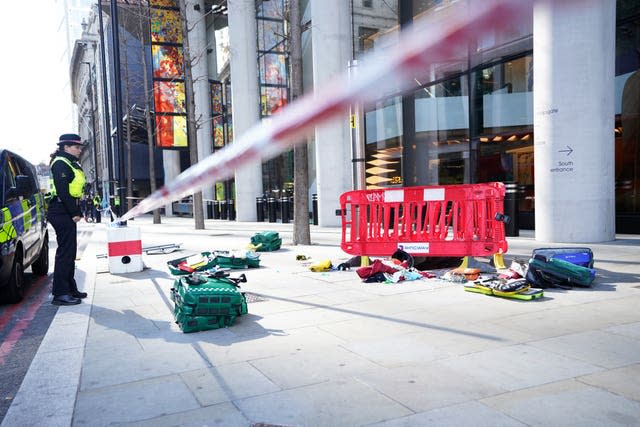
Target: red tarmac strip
[(34, 303)]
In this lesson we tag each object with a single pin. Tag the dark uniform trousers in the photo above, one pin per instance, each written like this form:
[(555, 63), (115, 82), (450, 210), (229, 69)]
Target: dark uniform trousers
[(66, 229)]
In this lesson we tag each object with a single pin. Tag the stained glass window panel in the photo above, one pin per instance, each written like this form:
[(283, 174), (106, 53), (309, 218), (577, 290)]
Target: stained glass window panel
[(270, 36), (163, 3), (168, 62), (229, 130), (271, 9), (218, 132), (171, 131), (169, 97), (165, 26), (273, 69), (227, 97), (272, 99), (216, 98)]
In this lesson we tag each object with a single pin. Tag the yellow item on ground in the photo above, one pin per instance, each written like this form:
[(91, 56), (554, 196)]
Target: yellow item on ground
[(321, 266)]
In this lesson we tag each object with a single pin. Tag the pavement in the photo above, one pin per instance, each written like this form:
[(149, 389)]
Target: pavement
[(325, 349)]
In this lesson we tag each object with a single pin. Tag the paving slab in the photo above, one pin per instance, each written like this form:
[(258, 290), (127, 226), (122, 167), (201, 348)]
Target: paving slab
[(133, 401), (325, 348), (228, 383), (422, 387), (595, 347), (223, 415), (469, 414), (567, 403), (622, 381), (345, 402), (307, 367)]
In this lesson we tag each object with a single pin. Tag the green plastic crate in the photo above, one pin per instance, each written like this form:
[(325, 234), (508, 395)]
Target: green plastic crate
[(173, 264), (266, 241), (203, 303)]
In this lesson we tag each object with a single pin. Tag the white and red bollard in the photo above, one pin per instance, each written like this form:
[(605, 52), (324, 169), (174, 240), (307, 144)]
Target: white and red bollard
[(124, 248)]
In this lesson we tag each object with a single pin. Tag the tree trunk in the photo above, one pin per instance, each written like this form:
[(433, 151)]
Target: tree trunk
[(147, 106), (198, 211), (301, 231)]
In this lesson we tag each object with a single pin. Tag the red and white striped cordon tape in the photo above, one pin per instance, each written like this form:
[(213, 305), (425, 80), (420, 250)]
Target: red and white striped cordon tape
[(433, 40)]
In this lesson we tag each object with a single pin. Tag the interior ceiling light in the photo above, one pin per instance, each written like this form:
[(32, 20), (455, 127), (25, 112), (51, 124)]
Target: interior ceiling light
[(512, 138), (526, 137), (381, 156), (379, 162), (376, 179), (497, 138), (484, 139), (378, 170)]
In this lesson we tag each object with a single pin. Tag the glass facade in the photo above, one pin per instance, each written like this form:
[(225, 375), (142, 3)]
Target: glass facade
[(627, 131), (273, 75), (471, 120)]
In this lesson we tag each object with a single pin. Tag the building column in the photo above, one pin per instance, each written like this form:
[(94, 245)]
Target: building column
[(171, 166), (198, 45), (212, 55), (245, 99), (331, 45), (573, 104)]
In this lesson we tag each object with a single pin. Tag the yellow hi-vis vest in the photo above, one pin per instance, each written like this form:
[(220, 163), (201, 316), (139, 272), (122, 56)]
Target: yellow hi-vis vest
[(76, 186), (8, 231)]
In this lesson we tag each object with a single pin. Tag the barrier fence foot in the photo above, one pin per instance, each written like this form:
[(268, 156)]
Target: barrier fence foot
[(498, 261), (471, 262), (364, 261), (465, 263)]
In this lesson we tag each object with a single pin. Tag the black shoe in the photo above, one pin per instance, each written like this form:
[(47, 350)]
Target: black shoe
[(65, 300), (78, 294)]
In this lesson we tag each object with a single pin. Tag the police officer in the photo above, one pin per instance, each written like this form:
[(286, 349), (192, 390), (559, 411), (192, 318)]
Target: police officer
[(68, 182)]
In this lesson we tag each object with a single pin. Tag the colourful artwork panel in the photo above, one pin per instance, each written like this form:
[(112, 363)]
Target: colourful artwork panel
[(229, 130), (271, 9), (273, 69), (168, 62), (165, 26), (227, 97), (163, 3), (216, 98), (272, 99), (270, 36), (171, 131), (169, 97), (218, 131)]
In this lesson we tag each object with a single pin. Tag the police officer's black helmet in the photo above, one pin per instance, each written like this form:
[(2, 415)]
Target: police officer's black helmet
[(70, 139)]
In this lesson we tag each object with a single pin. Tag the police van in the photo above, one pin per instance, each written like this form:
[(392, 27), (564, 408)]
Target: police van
[(24, 240)]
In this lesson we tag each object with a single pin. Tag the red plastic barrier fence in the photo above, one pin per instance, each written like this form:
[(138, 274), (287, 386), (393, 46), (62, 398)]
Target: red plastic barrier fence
[(448, 220)]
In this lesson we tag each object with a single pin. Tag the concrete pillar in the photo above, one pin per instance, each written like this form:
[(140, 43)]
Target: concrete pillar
[(245, 99), (573, 104), (199, 68), (171, 162), (331, 45), (212, 55)]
